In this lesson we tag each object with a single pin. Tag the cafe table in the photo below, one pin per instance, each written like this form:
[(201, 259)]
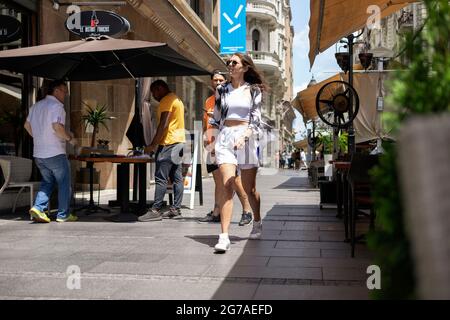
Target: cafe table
[(123, 178)]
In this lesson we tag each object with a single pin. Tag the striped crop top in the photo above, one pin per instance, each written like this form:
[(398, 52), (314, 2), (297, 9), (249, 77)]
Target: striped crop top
[(243, 103)]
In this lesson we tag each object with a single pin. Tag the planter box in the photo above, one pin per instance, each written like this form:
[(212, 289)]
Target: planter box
[(327, 192)]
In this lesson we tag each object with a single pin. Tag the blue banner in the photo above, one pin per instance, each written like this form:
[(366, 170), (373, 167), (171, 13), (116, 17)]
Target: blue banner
[(233, 26)]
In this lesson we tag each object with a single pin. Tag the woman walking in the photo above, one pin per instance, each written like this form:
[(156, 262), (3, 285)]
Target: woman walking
[(209, 134), (237, 114)]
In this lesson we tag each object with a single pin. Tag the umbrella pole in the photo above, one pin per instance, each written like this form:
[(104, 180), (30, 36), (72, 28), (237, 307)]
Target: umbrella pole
[(137, 109), (125, 67), (351, 131)]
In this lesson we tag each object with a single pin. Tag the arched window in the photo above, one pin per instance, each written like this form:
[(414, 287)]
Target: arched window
[(255, 41)]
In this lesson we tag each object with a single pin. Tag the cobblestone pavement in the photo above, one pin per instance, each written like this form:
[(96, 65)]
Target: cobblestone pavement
[(301, 254)]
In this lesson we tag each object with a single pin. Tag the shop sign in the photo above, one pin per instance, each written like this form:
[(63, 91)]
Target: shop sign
[(97, 23), (10, 29)]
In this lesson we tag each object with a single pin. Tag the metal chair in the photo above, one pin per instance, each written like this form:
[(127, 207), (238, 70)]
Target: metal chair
[(360, 191), (17, 174)]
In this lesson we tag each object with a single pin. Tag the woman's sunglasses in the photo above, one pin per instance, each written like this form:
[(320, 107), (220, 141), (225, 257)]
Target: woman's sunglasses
[(233, 62)]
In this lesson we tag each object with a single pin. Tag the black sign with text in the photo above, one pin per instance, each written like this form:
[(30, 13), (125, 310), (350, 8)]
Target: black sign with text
[(97, 23), (10, 29)]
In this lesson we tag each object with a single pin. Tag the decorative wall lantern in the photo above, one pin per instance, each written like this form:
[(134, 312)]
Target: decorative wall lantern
[(343, 60), (366, 59)]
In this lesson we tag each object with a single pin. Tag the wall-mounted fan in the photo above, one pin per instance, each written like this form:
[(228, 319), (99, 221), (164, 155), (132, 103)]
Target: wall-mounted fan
[(337, 104)]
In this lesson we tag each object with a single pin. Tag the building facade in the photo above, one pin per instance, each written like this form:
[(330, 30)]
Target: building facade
[(391, 32), (189, 27), (270, 44)]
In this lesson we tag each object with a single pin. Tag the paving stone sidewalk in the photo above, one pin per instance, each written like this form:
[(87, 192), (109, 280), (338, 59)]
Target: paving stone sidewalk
[(300, 256)]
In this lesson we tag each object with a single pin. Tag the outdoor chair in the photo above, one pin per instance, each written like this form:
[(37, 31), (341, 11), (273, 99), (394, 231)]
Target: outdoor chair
[(360, 192), (17, 174)]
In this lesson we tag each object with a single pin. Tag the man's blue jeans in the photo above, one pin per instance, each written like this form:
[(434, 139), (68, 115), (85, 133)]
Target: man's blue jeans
[(54, 170)]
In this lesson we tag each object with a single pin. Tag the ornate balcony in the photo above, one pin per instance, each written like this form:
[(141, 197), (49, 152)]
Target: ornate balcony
[(263, 10), (405, 22), (266, 61)]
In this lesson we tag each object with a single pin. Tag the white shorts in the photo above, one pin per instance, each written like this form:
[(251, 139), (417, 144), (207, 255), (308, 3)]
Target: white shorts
[(244, 158)]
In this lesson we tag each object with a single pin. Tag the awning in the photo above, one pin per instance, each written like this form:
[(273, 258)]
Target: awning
[(302, 144), (305, 101), (331, 20), (100, 58), (367, 123)]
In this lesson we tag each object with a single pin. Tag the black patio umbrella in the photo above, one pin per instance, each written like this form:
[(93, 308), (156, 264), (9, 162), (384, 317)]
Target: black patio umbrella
[(100, 58)]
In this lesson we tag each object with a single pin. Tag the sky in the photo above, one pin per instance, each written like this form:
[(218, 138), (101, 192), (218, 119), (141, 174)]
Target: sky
[(324, 66)]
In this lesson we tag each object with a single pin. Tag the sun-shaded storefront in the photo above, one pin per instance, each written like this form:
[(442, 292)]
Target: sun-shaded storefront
[(189, 29)]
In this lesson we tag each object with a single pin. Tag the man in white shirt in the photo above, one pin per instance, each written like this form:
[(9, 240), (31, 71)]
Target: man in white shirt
[(46, 124)]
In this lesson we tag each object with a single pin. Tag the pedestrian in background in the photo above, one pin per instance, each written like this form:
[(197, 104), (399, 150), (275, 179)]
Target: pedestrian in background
[(281, 159), (303, 157), (168, 143)]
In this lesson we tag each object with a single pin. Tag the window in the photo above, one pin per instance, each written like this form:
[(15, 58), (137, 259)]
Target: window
[(195, 5), (16, 90), (256, 40)]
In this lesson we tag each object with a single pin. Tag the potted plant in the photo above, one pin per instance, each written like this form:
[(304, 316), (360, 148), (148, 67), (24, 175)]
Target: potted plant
[(95, 117), (327, 143), (343, 143), (103, 144)]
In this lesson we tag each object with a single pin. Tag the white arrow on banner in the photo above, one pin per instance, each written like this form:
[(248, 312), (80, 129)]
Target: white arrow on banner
[(236, 16)]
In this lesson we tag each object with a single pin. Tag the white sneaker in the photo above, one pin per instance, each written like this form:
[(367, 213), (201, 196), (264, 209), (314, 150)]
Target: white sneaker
[(223, 244), (256, 230)]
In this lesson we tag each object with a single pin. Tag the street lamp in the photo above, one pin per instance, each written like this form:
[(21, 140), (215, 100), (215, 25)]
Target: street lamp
[(366, 59), (312, 82)]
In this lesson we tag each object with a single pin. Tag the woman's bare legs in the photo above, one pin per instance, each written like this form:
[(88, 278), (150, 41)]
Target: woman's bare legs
[(227, 172)]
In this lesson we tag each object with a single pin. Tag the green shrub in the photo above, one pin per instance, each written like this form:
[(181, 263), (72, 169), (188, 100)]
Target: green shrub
[(423, 89)]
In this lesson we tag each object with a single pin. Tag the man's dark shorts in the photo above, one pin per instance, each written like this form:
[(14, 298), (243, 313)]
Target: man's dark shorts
[(211, 167), (211, 164)]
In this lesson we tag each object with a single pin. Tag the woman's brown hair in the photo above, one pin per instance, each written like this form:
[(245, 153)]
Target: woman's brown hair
[(252, 75)]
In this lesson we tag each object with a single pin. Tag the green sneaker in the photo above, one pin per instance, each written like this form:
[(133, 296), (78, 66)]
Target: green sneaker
[(38, 216), (70, 218)]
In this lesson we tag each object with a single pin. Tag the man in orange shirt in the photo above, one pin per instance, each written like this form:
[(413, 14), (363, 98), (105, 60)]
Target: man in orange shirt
[(168, 143), (210, 132)]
